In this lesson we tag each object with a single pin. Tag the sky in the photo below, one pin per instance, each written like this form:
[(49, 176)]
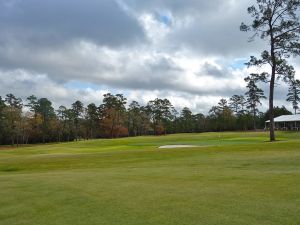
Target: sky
[(191, 52)]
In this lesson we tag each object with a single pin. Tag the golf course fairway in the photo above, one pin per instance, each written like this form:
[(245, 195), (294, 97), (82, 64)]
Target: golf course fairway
[(229, 179)]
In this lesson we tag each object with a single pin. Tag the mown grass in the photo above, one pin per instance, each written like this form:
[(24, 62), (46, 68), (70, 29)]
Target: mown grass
[(231, 178)]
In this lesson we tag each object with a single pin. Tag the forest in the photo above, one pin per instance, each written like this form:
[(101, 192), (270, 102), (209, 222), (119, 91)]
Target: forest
[(34, 120)]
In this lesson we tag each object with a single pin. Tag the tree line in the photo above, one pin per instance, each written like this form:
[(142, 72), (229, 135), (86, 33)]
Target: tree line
[(274, 21), (34, 120)]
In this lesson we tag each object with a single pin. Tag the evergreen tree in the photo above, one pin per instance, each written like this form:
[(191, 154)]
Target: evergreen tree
[(77, 109), (13, 117), (92, 117), (237, 104), (253, 96), (294, 94), (277, 23), (113, 115), (2, 120), (32, 104), (161, 113), (46, 111), (278, 111), (187, 120), (134, 118)]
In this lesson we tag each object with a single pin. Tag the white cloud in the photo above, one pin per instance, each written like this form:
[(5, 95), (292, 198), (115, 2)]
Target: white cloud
[(186, 51), (25, 83)]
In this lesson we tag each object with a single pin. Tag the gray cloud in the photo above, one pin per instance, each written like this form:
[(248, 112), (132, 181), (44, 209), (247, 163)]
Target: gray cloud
[(217, 33), (23, 84), (212, 70), (51, 23), (117, 69), (184, 50), (176, 6), (207, 27)]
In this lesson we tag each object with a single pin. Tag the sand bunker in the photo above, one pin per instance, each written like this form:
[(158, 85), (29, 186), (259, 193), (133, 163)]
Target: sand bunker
[(179, 146)]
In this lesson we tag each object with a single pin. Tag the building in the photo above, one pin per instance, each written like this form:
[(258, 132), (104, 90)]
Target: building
[(286, 122)]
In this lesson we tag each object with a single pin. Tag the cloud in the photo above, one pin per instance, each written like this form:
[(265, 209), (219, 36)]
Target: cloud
[(58, 22), (25, 83), (136, 69), (189, 51), (207, 27), (213, 70), (176, 6), (41, 85)]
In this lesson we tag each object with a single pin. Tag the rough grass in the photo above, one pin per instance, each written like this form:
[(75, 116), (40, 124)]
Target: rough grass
[(239, 178)]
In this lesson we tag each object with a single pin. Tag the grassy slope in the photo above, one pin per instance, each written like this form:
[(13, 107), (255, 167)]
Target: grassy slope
[(239, 179)]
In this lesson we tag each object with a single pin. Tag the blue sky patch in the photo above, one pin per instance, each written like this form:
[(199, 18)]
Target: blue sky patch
[(239, 63), (164, 18)]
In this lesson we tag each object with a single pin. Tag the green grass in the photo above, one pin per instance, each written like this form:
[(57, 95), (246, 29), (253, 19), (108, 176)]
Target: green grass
[(235, 179)]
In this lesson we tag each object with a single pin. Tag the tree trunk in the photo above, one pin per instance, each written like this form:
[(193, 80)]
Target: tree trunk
[(271, 106), (272, 85), (112, 127), (76, 130), (12, 140), (254, 118), (17, 141)]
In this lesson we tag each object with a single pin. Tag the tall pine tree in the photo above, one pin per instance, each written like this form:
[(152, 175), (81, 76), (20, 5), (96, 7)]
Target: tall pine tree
[(276, 22)]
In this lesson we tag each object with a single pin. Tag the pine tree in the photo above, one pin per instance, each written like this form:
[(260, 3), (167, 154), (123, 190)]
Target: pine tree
[(253, 96), (294, 94), (276, 22)]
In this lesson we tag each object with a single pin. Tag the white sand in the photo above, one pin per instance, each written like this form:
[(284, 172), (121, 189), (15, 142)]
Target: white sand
[(179, 146)]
